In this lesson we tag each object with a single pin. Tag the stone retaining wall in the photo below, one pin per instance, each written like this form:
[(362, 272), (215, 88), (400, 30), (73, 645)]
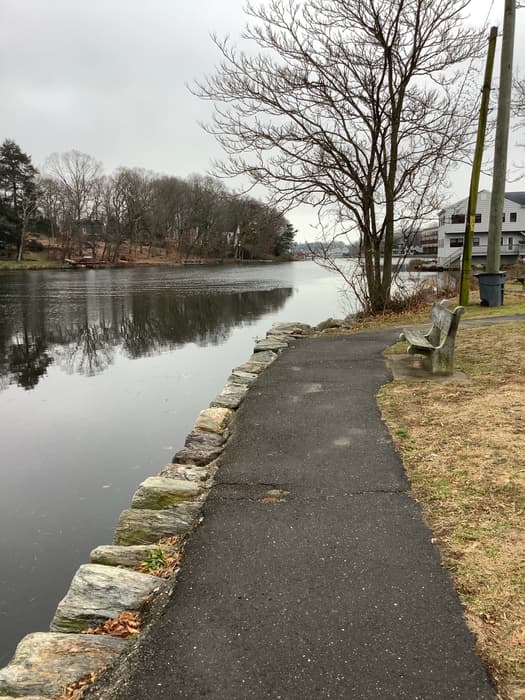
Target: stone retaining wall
[(163, 506)]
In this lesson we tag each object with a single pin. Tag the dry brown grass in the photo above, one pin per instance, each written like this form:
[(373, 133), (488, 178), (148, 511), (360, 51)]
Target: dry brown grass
[(463, 444), (164, 561), (514, 303)]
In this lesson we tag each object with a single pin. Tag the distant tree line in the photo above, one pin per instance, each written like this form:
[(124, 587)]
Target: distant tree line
[(79, 209)]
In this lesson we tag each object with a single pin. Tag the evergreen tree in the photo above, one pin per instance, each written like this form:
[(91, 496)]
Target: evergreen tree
[(285, 240), (18, 193)]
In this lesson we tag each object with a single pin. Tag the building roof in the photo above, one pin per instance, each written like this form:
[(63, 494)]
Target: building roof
[(517, 197)]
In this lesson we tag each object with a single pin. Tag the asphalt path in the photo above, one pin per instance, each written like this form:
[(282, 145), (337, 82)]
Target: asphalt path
[(312, 574)]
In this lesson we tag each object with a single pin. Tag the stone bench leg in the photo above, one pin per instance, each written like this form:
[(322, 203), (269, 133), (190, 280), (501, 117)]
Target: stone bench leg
[(443, 361)]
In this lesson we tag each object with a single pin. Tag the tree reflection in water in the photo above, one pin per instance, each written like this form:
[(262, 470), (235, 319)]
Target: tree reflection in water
[(85, 335)]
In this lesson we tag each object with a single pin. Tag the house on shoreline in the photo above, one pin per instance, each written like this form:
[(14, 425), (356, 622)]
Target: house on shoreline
[(451, 230)]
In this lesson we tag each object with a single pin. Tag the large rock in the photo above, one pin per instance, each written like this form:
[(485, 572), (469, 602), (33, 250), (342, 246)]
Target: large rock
[(45, 663), (280, 337), (191, 472), (98, 593), (201, 448), (231, 396), (252, 367), (273, 344), (157, 492), (214, 420), (129, 557), (138, 526), (258, 362), (294, 329), (206, 439), (241, 377), (263, 357), (332, 323)]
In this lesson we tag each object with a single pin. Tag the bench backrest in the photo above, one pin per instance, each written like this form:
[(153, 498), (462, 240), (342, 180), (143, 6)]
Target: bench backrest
[(441, 317), (444, 321)]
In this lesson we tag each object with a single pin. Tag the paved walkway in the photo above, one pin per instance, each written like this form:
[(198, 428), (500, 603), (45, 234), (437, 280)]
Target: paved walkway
[(333, 591)]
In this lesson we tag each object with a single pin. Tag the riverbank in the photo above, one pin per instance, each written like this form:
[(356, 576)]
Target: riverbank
[(42, 261), (10, 265), (13, 265)]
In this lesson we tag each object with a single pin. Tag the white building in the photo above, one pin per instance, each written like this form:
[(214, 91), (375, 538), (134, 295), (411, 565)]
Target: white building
[(451, 230)]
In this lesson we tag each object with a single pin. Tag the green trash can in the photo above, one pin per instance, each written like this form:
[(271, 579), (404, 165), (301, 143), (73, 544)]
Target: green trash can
[(491, 288)]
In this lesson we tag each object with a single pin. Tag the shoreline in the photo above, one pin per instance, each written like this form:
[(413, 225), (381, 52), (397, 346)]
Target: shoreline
[(32, 265)]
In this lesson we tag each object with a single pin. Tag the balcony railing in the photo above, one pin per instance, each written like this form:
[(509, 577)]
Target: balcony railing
[(480, 251)]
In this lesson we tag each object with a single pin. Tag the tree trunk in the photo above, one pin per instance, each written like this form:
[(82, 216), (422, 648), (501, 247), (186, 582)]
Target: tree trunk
[(21, 245)]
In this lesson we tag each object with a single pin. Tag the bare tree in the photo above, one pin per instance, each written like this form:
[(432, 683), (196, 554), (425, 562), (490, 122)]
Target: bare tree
[(135, 184), (206, 195), (50, 203), (77, 174), (171, 211), (353, 104), (518, 102)]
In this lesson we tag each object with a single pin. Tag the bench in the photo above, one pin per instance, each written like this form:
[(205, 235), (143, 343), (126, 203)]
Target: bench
[(439, 342)]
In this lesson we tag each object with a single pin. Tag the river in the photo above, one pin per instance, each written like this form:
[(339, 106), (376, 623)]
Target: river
[(102, 374)]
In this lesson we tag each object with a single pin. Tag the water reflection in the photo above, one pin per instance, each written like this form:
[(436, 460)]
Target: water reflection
[(84, 334)]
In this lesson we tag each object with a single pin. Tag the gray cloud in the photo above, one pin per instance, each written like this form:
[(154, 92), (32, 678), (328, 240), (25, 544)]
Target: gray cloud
[(109, 78)]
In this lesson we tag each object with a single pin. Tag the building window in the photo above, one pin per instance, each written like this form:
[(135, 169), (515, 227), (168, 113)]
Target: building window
[(456, 243), (475, 242), (478, 218), (513, 216), (510, 243), (503, 219), (457, 219)]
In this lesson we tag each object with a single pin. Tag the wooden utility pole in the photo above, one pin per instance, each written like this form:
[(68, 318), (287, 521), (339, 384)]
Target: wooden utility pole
[(502, 139), (466, 265)]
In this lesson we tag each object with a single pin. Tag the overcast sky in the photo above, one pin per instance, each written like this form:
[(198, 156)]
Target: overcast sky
[(108, 77)]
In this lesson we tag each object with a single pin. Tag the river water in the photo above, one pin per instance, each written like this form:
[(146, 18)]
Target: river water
[(102, 374)]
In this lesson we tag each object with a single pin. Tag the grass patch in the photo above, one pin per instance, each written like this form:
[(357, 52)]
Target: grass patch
[(31, 265), (463, 445), (164, 560), (514, 303)]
